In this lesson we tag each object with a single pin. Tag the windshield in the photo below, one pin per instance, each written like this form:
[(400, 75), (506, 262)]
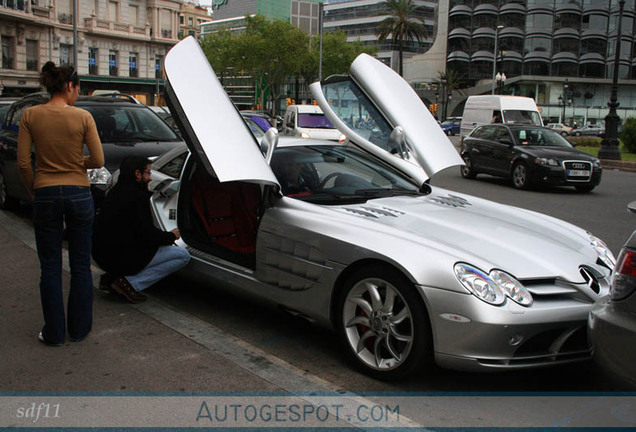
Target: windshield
[(314, 120), (129, 123), (539, 137), (523, 117), (336, 174)]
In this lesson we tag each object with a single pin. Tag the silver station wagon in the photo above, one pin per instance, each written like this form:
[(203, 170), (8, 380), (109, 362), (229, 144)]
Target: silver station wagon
[(352, 236)]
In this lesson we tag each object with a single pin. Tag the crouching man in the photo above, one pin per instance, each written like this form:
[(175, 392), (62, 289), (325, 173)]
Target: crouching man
[(126, 244)]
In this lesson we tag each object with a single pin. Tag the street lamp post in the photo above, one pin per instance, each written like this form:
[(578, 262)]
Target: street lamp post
[(561, 103), (501, 81), (449, 98), (609, 145), (494, 63)]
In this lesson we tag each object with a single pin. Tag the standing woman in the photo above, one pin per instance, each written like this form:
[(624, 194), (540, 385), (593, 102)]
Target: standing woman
[(57, 132)]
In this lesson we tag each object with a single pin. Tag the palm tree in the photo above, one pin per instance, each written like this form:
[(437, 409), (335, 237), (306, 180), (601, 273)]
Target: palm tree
[(401, 26)]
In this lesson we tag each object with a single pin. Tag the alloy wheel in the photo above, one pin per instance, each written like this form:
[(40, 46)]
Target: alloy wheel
[(520, 176), (378, 324)]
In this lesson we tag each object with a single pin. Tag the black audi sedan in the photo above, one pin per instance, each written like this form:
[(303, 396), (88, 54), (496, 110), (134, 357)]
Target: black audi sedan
[(125, 126), (528, 155)]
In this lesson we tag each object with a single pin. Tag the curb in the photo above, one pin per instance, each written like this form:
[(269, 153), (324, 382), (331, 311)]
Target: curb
[(628, 166)]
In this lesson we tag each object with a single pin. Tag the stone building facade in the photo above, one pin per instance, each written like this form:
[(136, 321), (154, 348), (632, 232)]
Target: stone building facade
[(120, 45)]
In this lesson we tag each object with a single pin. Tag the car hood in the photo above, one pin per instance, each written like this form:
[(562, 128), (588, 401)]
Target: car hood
[(114, 153), (526, 244), (562, 153)]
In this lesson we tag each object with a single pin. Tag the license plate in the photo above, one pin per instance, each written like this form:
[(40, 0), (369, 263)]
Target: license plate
[(578, 173)]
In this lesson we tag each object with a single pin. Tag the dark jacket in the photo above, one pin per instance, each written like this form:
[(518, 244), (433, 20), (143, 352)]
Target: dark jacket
[(124, 238)]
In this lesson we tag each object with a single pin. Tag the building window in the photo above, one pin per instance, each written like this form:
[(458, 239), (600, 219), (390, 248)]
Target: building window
[(159, 67), (181, 19), (92, 61), (190, 21), (32, 55), (8, 53), (113, 11), (133, 70), (112, 63), (133, 15), (66, 51)]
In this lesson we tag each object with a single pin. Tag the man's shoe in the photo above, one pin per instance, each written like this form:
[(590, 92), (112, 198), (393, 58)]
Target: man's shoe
[(41, 339), (105, 280), (122, 287)]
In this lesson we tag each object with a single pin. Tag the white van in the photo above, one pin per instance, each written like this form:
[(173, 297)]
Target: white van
[(487, 109), (308, 121)]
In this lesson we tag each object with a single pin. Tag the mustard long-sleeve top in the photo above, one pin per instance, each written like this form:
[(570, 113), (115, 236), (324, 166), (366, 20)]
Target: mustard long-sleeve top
[(58, 135)]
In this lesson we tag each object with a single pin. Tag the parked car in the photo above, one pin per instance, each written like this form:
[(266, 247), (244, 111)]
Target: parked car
[(528, 155), (451, 127), (352, 236), (564, 130), (593, 130), (5, 104), (612, 321), (164, 113), (125, 128), (262, 119)]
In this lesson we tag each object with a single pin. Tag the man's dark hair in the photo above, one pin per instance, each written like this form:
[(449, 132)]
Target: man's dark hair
[(131, 164)]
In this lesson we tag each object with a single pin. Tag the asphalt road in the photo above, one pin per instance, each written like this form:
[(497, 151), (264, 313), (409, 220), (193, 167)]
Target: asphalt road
[(316, 350)]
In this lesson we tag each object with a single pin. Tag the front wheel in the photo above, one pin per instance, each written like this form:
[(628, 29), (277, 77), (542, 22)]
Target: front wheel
[(383, 324), (467, 169), (520, 176)]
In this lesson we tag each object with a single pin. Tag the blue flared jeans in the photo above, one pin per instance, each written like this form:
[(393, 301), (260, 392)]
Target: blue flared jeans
[(54, 207)]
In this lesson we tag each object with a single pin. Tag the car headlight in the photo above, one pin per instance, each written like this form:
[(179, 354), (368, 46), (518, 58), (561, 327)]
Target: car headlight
[(624, 278), (99, 176), (342, 138), (546, 161), (494, 287), (604, 254), (304, 135), (596, 163)]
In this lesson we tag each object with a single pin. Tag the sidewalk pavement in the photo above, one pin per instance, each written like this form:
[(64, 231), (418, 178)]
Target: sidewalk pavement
[(127, 350)]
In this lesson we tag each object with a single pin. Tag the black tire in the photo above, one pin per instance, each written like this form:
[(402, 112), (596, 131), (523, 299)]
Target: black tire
[(564, 134), (392, 338), (585, 188), (520, 176), (577, 134), (6, 202), (467, 169)]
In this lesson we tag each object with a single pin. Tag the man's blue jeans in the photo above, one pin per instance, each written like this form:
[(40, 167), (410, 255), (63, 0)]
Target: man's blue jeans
[(53, 207), (167, 260)]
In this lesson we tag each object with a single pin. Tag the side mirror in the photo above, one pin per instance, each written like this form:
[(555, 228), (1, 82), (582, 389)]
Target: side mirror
[(269, 142), (632, 206), (397, 142)]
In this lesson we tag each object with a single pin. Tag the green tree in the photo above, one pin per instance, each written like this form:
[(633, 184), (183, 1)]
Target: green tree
[(221, 51), (401, 26), (628, 136), (337, 55), (272, 51)]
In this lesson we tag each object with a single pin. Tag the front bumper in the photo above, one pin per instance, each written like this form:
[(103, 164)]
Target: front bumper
[(612, 334), (472, 335), (556, 176)]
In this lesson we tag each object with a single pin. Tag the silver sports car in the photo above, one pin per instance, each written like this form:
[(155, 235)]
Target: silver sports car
[(352, 236)]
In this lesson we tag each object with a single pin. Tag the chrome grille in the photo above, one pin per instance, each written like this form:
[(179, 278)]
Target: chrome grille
[(578, 170)]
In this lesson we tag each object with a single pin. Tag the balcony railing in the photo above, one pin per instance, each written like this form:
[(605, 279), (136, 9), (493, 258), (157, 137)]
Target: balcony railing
[(14, 4), (65, 18)]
